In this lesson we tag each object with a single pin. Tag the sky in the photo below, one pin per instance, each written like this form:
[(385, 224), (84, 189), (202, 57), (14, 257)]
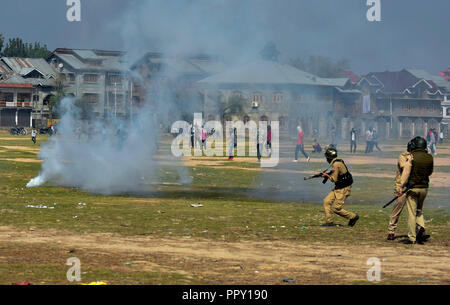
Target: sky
[(411, 33)]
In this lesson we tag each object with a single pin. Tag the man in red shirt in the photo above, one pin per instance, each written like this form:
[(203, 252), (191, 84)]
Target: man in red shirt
[(300, 145), (269, 140)]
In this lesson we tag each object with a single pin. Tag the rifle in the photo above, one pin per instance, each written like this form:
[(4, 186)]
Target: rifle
[(398, 196), (319, 175)]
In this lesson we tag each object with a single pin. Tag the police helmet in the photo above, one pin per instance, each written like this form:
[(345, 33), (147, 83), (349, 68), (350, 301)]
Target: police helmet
[(330, 153), (417, 143)]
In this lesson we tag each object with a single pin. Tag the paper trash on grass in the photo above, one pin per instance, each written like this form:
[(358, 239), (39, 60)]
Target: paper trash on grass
[(39, 206), (196, 205)]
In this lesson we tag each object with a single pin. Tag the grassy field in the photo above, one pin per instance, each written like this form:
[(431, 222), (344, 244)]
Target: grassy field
[(255, 225)]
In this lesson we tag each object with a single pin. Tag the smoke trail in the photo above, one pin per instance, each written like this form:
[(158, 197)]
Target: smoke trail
[(98, 156)]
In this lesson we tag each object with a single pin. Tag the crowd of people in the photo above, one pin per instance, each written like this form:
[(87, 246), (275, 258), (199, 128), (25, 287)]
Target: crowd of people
[(371, 138), (199, 136)]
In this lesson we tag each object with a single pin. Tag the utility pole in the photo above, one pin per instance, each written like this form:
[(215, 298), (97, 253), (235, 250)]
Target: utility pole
[(115, 100), (131, 102)]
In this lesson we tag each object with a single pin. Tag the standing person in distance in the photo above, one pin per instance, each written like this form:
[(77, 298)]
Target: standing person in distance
[(300, 145), (353, 140)]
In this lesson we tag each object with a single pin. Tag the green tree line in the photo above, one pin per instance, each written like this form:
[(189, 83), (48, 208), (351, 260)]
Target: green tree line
[(321, 66), (16, 47)]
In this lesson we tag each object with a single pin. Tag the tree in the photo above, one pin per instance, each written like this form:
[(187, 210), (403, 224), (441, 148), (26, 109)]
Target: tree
[(270, 52), (2, 40), (321, 66), (17, 48), (55, 100), (233, 106)]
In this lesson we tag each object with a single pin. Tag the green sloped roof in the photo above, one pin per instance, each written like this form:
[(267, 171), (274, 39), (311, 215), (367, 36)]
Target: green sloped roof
[(269, 72)]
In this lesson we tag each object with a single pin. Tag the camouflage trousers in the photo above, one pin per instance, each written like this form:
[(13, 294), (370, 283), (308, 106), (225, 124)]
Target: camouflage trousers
[(334, 203)]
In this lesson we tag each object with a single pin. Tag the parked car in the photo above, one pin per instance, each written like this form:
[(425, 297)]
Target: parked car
[(18, 131)]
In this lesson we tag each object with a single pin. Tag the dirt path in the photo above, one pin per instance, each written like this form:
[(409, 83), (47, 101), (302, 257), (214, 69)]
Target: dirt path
[(438, 179), (25, 160), (250, 262), (22, 148)]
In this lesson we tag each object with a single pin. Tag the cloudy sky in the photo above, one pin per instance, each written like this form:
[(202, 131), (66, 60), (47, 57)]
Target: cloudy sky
[(412, 33)]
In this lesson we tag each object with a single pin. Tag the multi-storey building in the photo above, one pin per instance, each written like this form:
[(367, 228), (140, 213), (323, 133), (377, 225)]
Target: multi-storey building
[(273, 91), (170, 82), (404, 103), (99, 78), (26, 87)]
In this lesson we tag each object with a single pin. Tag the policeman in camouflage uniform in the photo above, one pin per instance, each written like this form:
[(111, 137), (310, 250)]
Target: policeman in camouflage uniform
[(343, 181), (404, 164), (418, 181)]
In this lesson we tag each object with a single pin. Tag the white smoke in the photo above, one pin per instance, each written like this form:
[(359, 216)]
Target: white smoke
[(107, 157)]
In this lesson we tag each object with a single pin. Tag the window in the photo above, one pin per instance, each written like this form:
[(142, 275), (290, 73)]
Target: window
[(448, 111), (136, 86), (7, 97), (35, 98), (136, 100), (71, 77), (115, 79), (119, 99), (24, 97), (91, 98), (115, 99), (277, 97), (257, 98), (407, 107), (90, 78)]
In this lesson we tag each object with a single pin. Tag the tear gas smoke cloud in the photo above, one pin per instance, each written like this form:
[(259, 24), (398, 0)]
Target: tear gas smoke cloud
[(107, 158), (116, 157)]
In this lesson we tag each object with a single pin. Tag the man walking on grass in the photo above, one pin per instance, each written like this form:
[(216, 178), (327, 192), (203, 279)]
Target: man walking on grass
[(300, 145), (33, 135)]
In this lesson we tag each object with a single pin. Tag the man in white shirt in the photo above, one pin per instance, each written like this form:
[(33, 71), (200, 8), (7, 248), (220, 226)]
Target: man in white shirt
[(33, 135), (369, 141), (353, 140)]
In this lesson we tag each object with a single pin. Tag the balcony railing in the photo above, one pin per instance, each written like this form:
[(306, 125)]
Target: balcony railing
[(18, 104)]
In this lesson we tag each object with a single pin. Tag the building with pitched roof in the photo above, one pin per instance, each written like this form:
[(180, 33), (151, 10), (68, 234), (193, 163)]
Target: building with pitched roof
[(175, 78), (446, 104), (26, 86), (273, 91), (97, 77), (402, 103)]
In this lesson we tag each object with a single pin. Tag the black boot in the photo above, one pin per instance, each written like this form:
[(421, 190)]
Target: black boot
[(353, 221), (421, 236)]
